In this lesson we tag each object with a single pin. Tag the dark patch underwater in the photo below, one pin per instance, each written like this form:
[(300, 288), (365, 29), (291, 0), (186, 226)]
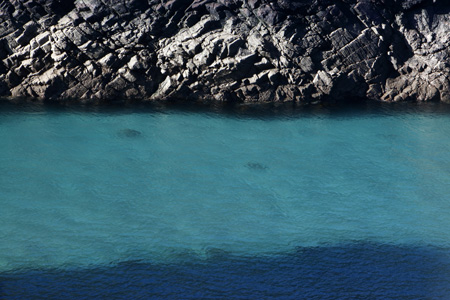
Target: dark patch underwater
[(353, 271)]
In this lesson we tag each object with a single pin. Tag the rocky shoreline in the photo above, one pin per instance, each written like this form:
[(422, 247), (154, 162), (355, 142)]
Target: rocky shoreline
[(228, 50)]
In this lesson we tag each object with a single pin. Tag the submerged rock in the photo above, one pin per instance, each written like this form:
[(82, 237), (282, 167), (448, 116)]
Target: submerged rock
[(256, 166), (226, 50), (129, 133)]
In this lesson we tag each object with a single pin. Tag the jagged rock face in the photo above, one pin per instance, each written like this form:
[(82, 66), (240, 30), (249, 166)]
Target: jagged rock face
[(226, 50)]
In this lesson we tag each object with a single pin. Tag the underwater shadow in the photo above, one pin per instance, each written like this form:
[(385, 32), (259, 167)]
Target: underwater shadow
[(262, 111), (351, 271)]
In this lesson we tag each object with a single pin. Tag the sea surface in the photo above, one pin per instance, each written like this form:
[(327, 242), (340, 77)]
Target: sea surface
[(162, 202)]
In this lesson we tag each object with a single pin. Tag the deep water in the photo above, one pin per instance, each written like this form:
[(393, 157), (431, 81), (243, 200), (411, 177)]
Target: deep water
[(165, 202)]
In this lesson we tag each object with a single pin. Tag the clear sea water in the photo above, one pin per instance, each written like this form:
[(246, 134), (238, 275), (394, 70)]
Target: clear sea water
[(181, 203)]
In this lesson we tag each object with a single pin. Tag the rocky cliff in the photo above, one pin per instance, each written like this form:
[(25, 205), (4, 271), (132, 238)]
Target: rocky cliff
[(225, 50)]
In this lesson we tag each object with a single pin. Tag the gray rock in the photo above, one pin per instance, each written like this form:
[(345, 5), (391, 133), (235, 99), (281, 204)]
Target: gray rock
[(323, 82), (108, 60)]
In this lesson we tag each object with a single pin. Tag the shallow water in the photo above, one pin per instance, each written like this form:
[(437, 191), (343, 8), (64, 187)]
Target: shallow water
[(323, 202)]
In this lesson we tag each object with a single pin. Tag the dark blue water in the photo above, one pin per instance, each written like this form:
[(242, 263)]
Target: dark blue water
[(352, 271), (182, 203)]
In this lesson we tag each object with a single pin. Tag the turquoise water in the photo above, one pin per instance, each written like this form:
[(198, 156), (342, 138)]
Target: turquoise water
[(86, 189)]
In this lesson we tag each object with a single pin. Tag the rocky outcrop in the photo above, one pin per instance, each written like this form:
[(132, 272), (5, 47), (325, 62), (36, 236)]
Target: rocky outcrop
[(225, 50)]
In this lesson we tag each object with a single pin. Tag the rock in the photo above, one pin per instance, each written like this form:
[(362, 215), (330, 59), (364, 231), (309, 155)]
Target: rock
[(135, 64), (118, 84), (108, 60), (249, 51), (4, 90), (164, 88), (323, 82), (306, 64), (234, 46)]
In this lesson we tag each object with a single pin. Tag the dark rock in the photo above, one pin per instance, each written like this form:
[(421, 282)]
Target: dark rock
[(234, 46), (12, 79), (28, 33), (368, 13), (4, 89)]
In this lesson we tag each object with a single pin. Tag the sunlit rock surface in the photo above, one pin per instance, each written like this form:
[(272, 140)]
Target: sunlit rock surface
[(226, 50)]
